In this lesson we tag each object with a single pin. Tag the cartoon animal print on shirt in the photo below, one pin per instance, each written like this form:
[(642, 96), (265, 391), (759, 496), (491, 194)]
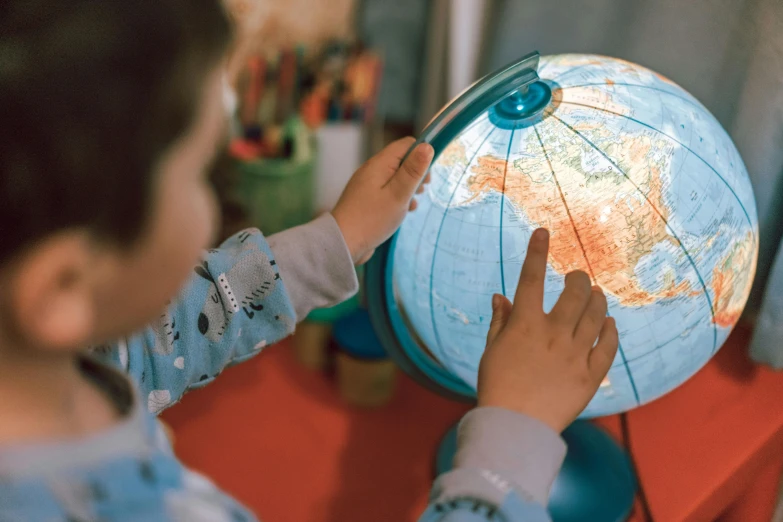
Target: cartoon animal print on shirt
[(165, 334), (242, 288)]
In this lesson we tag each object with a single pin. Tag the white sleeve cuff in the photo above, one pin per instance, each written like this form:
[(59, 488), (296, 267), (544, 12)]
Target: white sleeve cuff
[(522, 450)]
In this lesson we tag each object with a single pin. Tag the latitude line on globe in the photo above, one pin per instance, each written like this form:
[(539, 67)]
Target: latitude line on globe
[(679, 241), (502, 205), (675, 140), (440, 229), (544, 68), (692, 102), (569, 71), (584, 254), (483, 118), (660, 345)]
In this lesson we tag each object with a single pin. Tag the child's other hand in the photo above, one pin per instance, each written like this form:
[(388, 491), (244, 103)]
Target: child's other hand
[(545, 365), (379, 194)]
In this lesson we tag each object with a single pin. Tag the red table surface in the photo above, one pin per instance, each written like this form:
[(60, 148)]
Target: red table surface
[(278, 437)]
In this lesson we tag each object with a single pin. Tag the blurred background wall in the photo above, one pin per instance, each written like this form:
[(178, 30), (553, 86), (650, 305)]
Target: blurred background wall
[(727, 53)]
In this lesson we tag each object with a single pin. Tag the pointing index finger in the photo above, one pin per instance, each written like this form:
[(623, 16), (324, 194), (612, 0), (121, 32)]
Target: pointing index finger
[(530, 291)]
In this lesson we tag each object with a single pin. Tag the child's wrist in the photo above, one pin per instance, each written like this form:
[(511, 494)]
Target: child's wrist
[(349, 237)]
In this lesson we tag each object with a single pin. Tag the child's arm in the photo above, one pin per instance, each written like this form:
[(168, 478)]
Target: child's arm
[(249, 294), (234, 304), (537, 374)]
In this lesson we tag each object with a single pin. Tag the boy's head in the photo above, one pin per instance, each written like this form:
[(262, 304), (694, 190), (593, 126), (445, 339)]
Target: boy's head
[(112, 110)]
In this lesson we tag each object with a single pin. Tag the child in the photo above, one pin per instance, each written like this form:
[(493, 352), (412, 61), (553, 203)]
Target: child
[(112, 114)]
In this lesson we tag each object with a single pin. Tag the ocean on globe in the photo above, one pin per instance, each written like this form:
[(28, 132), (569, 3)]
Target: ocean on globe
[(639, 186)]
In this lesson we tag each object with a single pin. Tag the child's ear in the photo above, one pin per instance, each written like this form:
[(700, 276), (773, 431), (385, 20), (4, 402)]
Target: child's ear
[(52, 302)]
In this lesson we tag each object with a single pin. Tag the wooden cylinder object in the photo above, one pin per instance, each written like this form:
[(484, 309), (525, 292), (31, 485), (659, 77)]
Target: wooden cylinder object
[(311, 342), (365, 383), (365, 374), (313, 335)]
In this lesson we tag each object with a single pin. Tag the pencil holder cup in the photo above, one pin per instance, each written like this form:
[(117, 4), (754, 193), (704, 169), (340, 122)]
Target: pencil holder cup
[(277, 193)]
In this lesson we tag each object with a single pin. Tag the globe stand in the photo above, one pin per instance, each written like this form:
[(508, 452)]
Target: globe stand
[(596, 482)]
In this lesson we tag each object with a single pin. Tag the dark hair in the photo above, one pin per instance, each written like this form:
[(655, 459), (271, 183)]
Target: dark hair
[(92, 93)]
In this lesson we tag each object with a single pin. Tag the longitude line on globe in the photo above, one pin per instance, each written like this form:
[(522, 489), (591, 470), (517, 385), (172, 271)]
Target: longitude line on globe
[(502, 205), (584, 253), (440, 229), (675, 140)]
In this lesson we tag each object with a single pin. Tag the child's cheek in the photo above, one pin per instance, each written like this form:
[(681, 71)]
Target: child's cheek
[(190, 226), (212, 211)]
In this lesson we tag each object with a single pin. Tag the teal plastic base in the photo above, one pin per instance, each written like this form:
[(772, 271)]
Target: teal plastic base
[(596, 482)]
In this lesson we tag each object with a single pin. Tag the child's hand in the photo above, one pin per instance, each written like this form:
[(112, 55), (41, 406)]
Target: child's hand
[(545, 365), (379, 194)]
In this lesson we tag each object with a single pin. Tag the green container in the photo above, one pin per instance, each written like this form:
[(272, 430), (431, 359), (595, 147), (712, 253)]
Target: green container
[(330, 315), (277, 193), (280, 193)]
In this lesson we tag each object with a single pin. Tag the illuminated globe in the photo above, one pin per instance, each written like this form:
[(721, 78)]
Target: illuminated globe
[(637, 182)]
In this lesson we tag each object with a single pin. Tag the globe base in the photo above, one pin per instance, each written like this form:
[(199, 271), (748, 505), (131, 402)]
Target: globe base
[(596, 481)]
